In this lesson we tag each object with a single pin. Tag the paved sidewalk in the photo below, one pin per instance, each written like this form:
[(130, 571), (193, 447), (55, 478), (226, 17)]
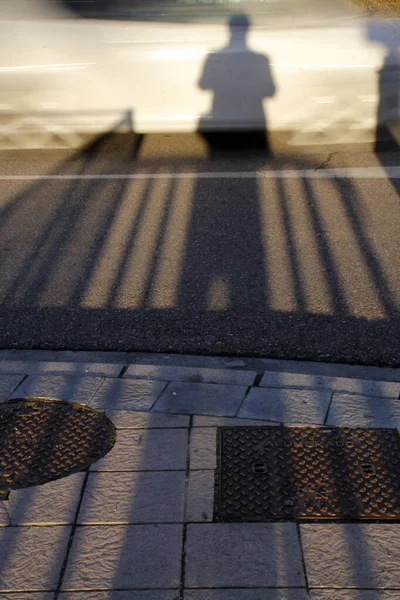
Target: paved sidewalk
[(138, 525)]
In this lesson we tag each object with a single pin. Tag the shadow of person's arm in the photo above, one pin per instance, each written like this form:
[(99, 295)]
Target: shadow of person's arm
[(269, 87), (207, 79)]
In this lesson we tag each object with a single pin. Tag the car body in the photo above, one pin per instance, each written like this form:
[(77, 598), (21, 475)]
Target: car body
[(327, 75)]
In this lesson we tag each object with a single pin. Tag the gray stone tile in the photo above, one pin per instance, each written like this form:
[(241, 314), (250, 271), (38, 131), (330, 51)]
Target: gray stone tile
[(255, 594), (200, 498), (59, 387), (131, 556), (60, 368), (203, 448), (211, 362), (361, 411), (191, 374), (134, 394), (243, 555), (179, 360), (201, 398), (360, 555), (28, 596), (146, 497), (53, 503), (355, 594), (125, 419), (146, 450), (385, 389), (329, 369), (121, 595), (7, 384), (286, 405), (82, 356), (202, 421), (4, 518), (31, 557)]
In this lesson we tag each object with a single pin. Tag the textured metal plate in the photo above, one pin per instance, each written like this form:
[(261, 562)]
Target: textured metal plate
[(302, 473), (42, 440)]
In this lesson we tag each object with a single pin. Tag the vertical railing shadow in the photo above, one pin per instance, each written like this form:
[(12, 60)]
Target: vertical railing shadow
[(76, 209), (120, 573)]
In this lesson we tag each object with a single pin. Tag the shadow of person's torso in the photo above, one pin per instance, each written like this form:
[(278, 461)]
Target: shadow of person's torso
[(240, 79)]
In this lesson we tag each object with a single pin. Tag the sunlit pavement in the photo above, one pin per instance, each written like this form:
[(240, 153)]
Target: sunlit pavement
[(173, 244), (140, 524)]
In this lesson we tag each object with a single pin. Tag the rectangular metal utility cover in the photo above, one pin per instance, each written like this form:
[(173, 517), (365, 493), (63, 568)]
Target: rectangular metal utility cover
[(307, 473)]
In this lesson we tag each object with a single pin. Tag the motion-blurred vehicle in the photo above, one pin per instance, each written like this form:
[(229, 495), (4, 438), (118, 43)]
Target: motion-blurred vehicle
[(309, 71)]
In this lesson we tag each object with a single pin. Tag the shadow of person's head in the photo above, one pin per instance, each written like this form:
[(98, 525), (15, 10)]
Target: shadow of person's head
[(239, 26)]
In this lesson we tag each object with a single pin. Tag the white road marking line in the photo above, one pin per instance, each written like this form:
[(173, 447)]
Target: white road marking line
[(342, 173), (60, 66)]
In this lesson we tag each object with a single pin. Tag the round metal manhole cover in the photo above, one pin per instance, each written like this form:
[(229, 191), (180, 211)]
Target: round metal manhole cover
[(43, 440)]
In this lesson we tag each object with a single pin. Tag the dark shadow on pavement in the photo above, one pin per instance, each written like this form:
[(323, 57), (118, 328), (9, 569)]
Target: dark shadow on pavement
[(388, 114)]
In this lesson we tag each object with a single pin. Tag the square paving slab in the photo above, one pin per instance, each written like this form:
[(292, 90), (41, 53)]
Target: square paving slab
[(308, 473)]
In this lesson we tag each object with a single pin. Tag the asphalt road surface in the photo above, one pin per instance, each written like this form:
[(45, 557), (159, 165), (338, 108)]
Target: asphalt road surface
[(172, 256)]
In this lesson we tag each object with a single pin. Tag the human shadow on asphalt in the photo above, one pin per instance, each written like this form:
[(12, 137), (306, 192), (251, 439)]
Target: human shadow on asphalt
[(239, 80)]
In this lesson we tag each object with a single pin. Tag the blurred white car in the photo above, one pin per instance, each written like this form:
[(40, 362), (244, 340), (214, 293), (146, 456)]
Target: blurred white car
[(311, 71)]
